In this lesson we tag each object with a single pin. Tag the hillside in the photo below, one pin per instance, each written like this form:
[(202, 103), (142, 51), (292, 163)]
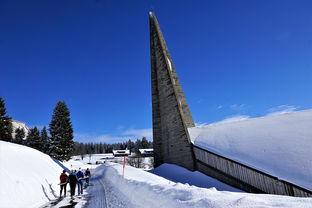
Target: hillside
[(29, 178), (280, 145)]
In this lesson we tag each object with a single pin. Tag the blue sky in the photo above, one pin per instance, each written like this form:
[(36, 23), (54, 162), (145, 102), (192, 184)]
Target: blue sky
[(233, 58)]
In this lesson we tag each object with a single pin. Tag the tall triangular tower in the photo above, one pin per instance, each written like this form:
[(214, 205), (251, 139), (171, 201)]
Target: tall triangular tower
[(171, 114)]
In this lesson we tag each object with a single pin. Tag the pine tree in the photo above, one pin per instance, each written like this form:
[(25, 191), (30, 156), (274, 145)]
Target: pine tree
[(61, 132), (144, 143), (19, 136), (138, 145), (5, 123), (34, 139), (46, 140)]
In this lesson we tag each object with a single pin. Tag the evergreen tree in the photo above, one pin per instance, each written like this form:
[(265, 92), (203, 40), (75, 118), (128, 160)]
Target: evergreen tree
[(144, 143), (130, 145), (138, 145), (34, 139), (5, 123), (19, 136), (46, 140), (61, 132)]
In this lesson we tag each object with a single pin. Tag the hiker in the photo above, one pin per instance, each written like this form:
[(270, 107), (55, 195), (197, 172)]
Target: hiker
[(80, 177), (72, 179), (63, 182), (88, 175)]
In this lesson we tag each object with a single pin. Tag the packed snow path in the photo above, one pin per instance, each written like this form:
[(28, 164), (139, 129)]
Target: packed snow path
[(99, 194), (103, 194)]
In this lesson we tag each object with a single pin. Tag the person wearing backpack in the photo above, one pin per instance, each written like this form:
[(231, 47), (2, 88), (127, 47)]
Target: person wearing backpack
[(88, 175), (80, 177), (72, 179), (63, 182)]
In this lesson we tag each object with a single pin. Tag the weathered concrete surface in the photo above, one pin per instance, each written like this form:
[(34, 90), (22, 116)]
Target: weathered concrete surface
[(171, 114)]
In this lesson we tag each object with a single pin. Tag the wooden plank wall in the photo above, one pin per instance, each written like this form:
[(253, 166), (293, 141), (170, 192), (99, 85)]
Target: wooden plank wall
[(244, 177)]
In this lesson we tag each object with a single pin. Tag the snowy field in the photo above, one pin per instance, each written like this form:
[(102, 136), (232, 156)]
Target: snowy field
[(280, 145), (31, 180)]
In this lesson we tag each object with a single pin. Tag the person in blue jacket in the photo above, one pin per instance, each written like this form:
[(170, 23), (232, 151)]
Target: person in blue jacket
[(80, 177)]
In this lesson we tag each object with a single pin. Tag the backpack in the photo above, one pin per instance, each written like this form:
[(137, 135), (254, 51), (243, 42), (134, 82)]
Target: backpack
[(63, 177)]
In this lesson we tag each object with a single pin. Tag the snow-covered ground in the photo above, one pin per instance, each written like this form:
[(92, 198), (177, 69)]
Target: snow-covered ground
[(139, 188), (181, 175), (30, 178), (280, 145)]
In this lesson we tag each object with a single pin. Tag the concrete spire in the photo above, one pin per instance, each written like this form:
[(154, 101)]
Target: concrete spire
[(171, 114)]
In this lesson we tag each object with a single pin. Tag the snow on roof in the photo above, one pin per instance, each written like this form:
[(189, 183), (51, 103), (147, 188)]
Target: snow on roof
[(280, 145), (146, 151), (119, 152)]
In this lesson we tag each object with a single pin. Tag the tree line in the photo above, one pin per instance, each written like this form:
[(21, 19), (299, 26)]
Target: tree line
[(59, 144), (99, 148)]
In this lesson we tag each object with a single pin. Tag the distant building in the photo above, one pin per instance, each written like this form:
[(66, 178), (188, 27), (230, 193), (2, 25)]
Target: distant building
[(121, 153), (19, 125), (146, 152)]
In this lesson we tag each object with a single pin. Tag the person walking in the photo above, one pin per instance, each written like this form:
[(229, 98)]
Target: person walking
[(63, 183), (72, 179), (80, 177), (88, 175)]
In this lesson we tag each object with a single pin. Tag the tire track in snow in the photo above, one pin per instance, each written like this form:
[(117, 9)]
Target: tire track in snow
[(103, 194)]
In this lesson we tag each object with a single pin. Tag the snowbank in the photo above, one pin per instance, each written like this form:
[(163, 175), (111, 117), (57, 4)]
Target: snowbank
[(148, 190), (29, 178), (280, 145), (179, 174)]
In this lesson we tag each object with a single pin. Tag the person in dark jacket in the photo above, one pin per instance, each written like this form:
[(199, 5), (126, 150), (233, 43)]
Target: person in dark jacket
[(72, 179), (88, 175), (80, 177), (63, 182)]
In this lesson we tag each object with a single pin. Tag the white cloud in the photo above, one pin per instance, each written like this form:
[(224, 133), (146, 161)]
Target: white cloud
[(238, 107), (233, 119), (111, 139), (200, 100), (122, 136), (220, 106), (200, 124), (281, 109), (139, 133)]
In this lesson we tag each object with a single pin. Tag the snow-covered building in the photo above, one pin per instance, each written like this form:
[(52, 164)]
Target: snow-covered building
[(146, 152), (121, 153), (263, 155), (276, 145)]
